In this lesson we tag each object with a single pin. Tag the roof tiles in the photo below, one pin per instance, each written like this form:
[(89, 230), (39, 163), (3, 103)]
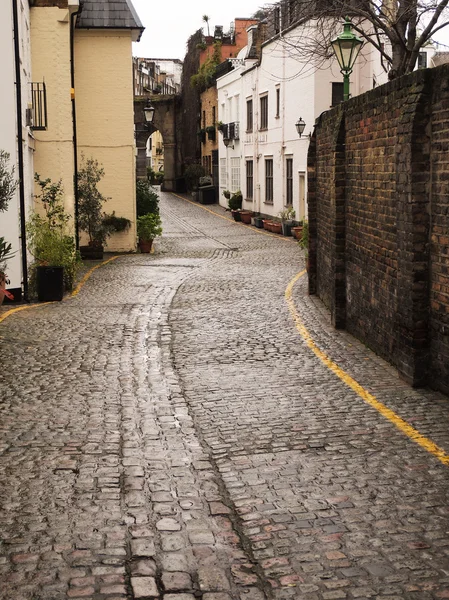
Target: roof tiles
[(109, 14)]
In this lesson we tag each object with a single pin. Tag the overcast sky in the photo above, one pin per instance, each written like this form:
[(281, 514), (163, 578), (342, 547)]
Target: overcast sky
[(169, 23)]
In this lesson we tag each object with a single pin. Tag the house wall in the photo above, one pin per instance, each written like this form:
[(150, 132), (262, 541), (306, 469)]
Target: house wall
[(379, 222), (103, 71), (304, 92), (9, 220), (50, 42)]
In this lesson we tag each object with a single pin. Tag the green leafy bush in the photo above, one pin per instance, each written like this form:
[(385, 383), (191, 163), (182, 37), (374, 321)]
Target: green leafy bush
[(192, 175), (147, 200), (50, 237), (235, 201), (149, 226)]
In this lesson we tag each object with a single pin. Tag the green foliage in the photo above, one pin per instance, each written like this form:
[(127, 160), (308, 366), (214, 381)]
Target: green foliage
[(206, 73), (91, 200), (49, 237), (192, 175), (149, 226), (147, 200), (288, 214), (116, 224), (5, 253), (155, 177), (8, 184), (304, 241), (226, 194), (235, 201)]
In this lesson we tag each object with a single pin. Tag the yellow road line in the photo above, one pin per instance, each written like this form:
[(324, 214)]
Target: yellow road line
[(386, 412), (75, 292), (254, 229)]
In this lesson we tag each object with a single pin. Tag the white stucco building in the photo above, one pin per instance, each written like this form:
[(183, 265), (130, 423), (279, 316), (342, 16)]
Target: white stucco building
[(10, 221), (263, 98)]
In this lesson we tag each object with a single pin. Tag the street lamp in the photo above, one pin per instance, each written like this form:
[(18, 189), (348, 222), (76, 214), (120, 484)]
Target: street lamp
[(346, 47), (149, 112), (300, 126)]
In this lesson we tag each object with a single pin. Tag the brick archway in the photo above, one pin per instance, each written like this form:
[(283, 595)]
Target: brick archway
[(166, 121)]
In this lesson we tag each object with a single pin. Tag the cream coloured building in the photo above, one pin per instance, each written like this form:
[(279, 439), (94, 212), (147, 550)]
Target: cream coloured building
[(83, 52)]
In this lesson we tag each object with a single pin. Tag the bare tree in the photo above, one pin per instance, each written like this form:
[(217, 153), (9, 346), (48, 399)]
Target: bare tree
[(398, 29)]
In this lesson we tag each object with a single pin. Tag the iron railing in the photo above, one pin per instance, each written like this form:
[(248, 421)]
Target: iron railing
[(39, 106)]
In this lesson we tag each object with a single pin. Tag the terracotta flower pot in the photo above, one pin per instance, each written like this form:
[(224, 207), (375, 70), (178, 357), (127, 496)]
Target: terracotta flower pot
[(245, 216), (297, 232), (145, 246), (276, 227), (267, 224)]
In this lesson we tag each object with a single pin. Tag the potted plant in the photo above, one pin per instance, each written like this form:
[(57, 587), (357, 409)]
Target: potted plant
[(8, 187), (210, 130), (297, 230), (5, 255), (91, 219), (246, 216), (220, 126), (149, 226), (257, 221), (192, 175), (227, 194), (50, 240), (147, 200), (287, 215)]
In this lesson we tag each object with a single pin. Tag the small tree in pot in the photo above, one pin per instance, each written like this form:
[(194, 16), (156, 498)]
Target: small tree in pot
[(149, 226)]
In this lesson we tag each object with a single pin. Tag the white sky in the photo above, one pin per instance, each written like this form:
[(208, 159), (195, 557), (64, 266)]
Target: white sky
[(169, 23)]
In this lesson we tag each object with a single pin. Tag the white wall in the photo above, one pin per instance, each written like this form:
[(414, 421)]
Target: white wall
[(304, 92), (9, 221)]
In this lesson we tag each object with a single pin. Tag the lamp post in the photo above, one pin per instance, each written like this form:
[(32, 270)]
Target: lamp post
[(346, 47), (300, 126), (149, 112)]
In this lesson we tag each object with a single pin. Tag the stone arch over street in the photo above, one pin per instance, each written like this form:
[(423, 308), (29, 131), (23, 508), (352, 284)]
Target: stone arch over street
[(166, 120)]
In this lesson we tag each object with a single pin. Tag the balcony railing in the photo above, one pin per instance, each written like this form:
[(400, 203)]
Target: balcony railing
[(38, 107), (231, 131)]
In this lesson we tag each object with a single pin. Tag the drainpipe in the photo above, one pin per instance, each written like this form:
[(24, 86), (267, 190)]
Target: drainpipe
[(75, 138), (20, 149)]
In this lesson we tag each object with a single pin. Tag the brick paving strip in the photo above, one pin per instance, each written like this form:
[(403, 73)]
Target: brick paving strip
[(167, 434)]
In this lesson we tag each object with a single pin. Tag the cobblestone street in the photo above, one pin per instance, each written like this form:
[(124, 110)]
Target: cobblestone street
[(168, 433)]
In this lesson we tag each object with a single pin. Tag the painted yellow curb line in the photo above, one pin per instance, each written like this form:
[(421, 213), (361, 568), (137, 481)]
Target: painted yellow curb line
[(75, 292), (254, 229), (395, 419)]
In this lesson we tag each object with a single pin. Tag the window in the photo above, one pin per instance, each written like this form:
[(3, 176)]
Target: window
[(302, 196), (249, 180), (269, 180), (278, 102), (235, 173), (223, 173), (214, 119), (289, 181), (264, 112), (337, 93), (249, 116), (204, 119), (422, 60)]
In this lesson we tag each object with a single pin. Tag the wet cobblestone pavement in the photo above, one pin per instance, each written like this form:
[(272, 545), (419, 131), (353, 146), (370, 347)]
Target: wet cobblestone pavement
[(167, 433)]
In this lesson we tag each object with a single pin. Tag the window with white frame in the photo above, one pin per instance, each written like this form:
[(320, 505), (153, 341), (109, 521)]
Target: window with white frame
[(223, 173), (235, 173), (264, 112), (289, 181), (249, 115), (249, 179), (269, 181)]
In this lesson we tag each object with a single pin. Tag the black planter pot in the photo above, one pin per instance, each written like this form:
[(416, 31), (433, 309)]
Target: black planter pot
[(91, 252), (258, 222), (50, 283), (287, 228)]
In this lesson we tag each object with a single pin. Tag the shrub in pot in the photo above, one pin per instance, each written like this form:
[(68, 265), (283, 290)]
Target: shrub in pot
[(149, 226), (235, 201), (51, 241), (147, 200), (287, 215)]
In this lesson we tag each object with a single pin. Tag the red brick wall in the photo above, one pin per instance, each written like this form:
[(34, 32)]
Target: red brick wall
[(379, 221)]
